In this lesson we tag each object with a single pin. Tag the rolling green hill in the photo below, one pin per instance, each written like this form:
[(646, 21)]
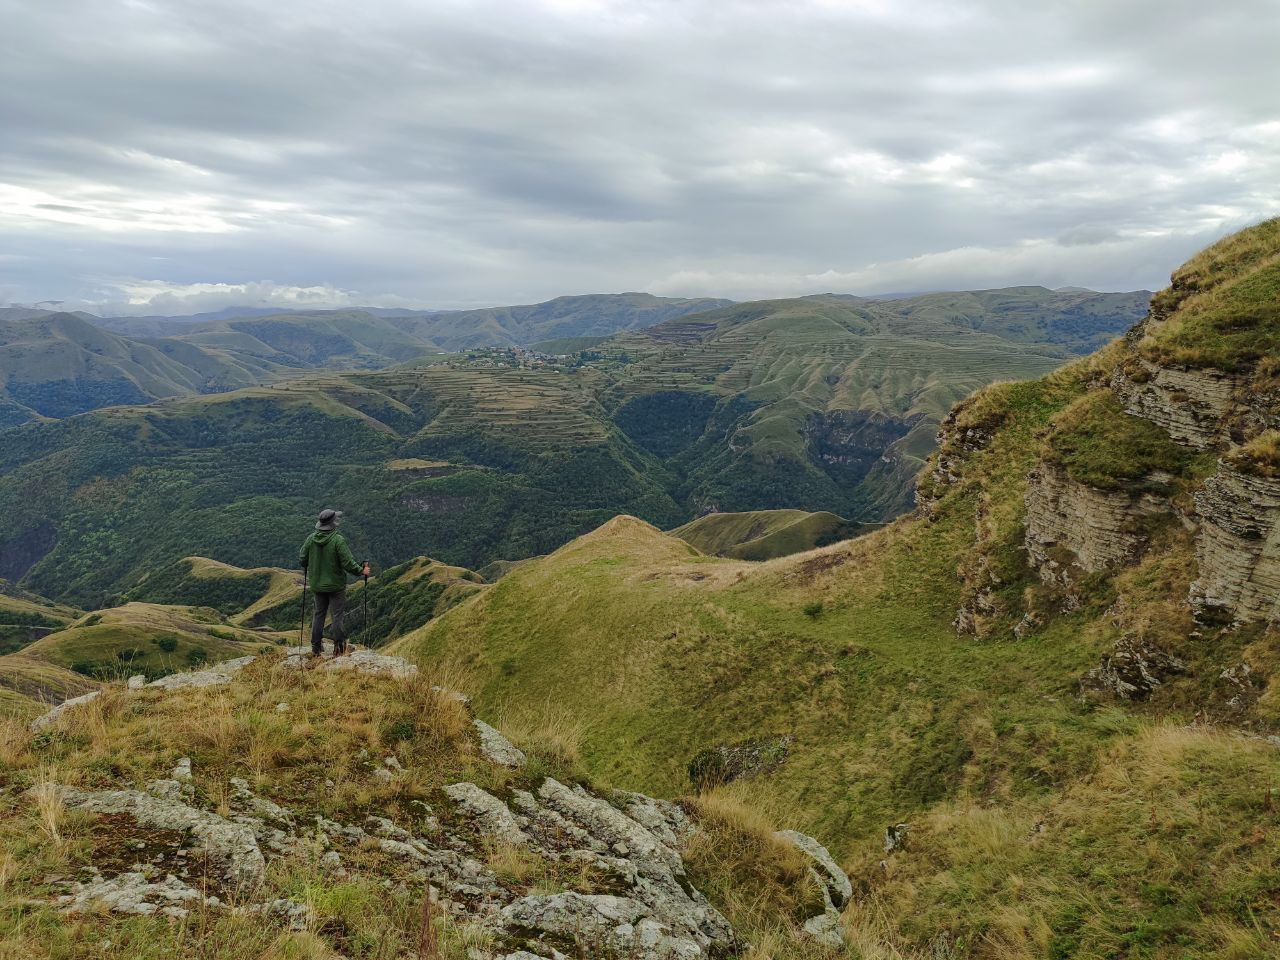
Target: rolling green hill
[(1030, 716), (144, 638), (59, 364), (100, 500), (340, 340)]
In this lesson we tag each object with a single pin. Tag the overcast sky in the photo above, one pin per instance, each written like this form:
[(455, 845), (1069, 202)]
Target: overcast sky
[(179, 155)]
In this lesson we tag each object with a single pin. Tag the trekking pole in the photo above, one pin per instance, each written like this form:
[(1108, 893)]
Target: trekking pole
[(364, 603), (302, 624)]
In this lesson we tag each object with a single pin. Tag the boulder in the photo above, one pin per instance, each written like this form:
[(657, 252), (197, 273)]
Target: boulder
[(40, 723)]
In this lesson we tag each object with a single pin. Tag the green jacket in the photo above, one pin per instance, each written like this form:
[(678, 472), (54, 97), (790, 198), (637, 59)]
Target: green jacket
[(327, 560)]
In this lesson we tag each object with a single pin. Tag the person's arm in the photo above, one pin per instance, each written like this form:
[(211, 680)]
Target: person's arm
[(303, 554), (347, 560)]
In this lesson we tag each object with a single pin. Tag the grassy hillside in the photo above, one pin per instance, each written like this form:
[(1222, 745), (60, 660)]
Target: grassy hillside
[(832, 403), (100, 500), (24, 619), (234, 592), (1078, 320), (766, 534), (931, 675), (350, 339), (26, 679)]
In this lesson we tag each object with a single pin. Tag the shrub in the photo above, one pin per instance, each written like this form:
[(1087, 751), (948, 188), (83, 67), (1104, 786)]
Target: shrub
[(167, 644), (813, 609)]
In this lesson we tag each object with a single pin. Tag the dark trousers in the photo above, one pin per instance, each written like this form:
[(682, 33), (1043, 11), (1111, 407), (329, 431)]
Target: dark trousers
[(332, 604)]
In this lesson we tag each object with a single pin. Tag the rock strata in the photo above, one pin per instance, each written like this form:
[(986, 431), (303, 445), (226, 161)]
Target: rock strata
[(1192, 406), (1098, 528), (1237, 546)]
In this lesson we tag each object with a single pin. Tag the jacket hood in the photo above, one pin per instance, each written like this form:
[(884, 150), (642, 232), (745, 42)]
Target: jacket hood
[(323, 536)]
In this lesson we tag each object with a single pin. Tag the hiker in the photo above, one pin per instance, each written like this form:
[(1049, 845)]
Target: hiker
[(326, 559)]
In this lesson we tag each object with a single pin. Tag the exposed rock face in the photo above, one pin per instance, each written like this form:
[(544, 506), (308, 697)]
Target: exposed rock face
[(1100, 528), (1238, 546), (358, 660), (214, 676), (1192, 406), (134, 892), (231, 847)]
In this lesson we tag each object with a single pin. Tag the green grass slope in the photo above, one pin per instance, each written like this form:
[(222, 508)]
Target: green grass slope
[(24, 619), (101, 500), (234, 592), (766, 534), (350, 339), (30, 683)]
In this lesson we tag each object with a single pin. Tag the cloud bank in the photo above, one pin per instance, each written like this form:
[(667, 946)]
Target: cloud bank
[(162, 157)]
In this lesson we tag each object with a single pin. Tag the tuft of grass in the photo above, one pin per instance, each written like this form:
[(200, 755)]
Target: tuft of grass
[(762, 883), (1223, 307), (1100, 445), (51, 812), (1259, 456)]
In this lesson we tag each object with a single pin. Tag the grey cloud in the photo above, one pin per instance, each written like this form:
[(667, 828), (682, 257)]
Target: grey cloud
[(479, 152)]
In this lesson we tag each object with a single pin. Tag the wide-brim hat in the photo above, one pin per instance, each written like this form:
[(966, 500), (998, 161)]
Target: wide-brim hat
[(328, 519)]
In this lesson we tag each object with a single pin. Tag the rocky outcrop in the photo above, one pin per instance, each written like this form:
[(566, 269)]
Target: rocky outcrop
[(230, 848), (497, 748), (959, 438), (1237, 546), (1132, 671), (1192, 406), (836, 889), (1097, 528), (43, 722), (214, 676), (631, 893)]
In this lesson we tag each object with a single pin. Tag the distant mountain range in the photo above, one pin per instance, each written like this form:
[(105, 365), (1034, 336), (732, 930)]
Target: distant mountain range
[(825, 403), (58, 364)]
